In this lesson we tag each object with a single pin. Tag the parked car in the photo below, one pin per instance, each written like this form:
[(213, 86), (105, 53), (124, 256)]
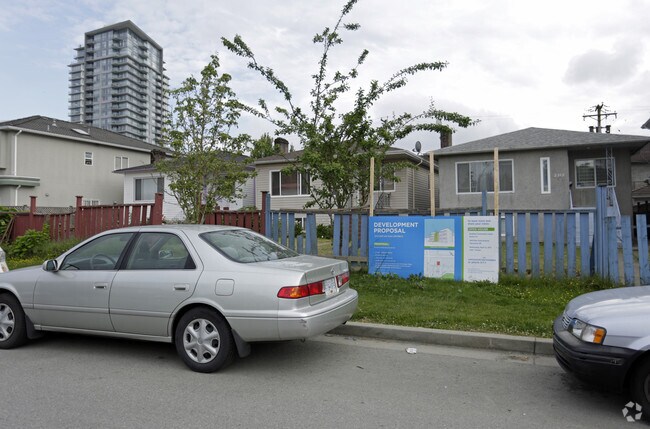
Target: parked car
[(210, 290), (604, 338)]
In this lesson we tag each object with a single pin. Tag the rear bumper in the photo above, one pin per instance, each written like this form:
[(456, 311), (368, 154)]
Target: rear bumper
[(321, 319), (596, 364)]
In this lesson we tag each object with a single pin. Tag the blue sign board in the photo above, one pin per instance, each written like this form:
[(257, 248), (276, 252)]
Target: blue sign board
[(446, 247)]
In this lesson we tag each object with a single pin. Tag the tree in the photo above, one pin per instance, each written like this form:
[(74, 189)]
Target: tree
[(337, 147), (209, 160), (263, 147)]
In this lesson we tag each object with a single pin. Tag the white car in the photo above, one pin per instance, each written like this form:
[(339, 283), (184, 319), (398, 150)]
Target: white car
[(603, 338), (210, 290)]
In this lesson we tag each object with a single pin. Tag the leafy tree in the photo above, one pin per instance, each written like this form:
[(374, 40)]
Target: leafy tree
[(263, 147), (209, 158), (338, 146)]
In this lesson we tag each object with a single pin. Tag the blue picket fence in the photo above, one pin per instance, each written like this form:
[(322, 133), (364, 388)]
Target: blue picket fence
[(561, 244)]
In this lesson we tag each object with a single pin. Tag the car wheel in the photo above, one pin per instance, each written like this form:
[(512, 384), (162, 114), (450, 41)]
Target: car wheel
[(204, 340), (640, 387), (12, 322)]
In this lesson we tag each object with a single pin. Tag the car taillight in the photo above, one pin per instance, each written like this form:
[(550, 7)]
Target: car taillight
[(296, 292), (343, 278)]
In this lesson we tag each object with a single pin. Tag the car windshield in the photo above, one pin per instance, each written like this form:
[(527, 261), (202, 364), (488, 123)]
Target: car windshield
[(246, 246)]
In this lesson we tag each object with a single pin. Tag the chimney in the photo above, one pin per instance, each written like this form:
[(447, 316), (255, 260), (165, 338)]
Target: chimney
[(157, 155), (445, 139), (591, 128), (282, 144)]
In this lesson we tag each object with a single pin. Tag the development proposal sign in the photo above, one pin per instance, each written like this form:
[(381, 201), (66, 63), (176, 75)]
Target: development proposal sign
[(447, 247)]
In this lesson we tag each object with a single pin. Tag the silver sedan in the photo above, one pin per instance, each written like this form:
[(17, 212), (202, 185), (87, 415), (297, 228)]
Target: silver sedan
[(210, 290)]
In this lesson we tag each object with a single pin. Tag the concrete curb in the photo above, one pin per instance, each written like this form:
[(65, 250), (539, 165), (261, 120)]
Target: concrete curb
[(477, 340)]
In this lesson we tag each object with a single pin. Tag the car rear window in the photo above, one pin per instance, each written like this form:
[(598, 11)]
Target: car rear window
[(246, 246)]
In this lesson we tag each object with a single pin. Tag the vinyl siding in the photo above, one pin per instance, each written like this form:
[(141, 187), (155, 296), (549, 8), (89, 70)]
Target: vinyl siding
[(59, 164)]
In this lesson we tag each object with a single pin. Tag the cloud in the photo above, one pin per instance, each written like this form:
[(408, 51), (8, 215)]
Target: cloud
[(605, 68)]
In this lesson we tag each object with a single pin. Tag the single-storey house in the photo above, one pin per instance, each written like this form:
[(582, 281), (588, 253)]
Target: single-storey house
[(57, 160), (288, 191), (141, 183), (539, 169)]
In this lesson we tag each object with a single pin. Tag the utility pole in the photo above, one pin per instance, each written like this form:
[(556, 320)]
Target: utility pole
[(601, 113)]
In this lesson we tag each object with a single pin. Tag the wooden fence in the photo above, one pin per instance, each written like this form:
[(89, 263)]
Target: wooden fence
[(560, 244), (251, 219), (557, 244), (86, 221)]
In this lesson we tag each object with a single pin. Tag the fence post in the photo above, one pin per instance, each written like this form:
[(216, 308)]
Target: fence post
[(266, 213), (78, 222), (642, 241), (484, 203), (32, 211), (601, 232), (157, 210)]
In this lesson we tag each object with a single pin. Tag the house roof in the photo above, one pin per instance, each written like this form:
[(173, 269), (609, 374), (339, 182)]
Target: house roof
[(642, 156), (392, 153), (79, 132), (136, 169), (641, 193), (151, 167), (544, 138)]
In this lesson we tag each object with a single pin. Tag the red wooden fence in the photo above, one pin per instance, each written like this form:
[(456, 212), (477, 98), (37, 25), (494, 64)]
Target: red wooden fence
[(86, 221), (254, 220)]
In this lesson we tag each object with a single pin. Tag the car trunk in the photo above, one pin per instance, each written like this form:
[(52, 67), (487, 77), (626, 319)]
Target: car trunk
[(315, 270)]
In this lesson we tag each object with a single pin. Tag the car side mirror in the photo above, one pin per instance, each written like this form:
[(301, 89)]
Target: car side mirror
[(50, 265)]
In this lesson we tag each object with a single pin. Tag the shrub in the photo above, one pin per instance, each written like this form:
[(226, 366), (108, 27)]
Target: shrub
[(29, 244), (6, 214), (325, 231)]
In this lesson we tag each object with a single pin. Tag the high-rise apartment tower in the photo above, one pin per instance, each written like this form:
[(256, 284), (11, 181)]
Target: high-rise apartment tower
[(117, 82)]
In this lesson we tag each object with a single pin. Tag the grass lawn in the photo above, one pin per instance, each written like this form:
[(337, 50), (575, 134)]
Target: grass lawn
[(514, 306)]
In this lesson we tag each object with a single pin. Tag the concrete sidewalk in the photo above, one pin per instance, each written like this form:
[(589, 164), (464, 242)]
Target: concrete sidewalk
[(476, 340)]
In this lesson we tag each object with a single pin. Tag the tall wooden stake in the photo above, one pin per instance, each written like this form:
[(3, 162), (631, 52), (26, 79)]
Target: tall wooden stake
[(432, 183), (371, 197), (496, 181)]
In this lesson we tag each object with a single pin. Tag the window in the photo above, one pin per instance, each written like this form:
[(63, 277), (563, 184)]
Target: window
[(289, 183), (384, 184), (476, 176), (121, 162), (159, 251), (593, 172), (146, 189), (90, 202), (246, 246), (545, 174), (88, 158), (100, 254)]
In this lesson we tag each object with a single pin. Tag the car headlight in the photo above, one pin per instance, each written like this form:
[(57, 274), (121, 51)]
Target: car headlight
[(586, 332)]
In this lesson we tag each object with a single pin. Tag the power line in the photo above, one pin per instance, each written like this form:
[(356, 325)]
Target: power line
[(601, 113)]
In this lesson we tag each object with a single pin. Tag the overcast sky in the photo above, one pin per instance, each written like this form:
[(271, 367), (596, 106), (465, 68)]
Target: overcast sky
[(512, 64)]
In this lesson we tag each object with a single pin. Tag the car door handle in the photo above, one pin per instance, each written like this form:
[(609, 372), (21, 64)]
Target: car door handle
[(101, 285), (181, 286)]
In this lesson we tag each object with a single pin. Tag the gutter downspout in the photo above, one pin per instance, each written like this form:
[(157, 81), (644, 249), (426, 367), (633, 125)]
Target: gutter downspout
[(16, 195), (15, 165)]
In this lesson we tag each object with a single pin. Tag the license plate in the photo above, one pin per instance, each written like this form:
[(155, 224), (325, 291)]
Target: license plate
[(329, 286)]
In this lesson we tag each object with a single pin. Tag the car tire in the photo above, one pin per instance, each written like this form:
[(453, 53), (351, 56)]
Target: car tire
[(13, 331), (204, 341), (640, 387)]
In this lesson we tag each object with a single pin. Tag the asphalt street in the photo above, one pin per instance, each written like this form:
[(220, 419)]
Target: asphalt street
[(330, 382)]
